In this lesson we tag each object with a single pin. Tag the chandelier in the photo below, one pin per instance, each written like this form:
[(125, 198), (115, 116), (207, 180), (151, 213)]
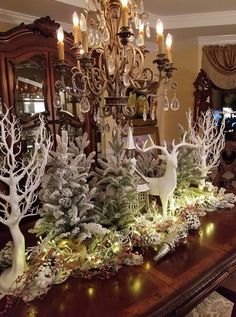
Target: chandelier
[(110, 60)]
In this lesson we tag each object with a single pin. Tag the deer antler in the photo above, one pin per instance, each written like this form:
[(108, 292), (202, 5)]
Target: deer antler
[(184, 143), (153, 146)]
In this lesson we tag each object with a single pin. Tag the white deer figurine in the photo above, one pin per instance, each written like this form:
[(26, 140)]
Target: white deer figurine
[(164, 186)]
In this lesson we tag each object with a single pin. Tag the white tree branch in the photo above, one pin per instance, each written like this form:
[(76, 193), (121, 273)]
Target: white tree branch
[(15, 172)]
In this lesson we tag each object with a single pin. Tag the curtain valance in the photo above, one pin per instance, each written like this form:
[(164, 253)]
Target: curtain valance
[(219, 62)]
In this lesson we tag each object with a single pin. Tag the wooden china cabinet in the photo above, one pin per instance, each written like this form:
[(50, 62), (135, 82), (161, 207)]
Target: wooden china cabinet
[(28, 72)]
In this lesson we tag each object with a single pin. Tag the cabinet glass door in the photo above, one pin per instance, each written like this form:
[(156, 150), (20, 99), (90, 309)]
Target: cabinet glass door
[(30, 88)]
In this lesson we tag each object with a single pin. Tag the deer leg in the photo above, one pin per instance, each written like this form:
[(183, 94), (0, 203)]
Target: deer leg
[(164, 202), (172, 203)]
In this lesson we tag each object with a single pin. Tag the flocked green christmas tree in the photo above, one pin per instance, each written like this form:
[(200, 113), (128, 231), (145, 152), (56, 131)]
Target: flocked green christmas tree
[(188, 174), (116, 196), (67, 199)]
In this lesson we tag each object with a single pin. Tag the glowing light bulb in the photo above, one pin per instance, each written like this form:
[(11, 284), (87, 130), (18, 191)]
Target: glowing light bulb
[(60, 34), (60, 43), (75, 19), (168, 47), (160, 37), (76, 27), (124, 3), (159, 27), (169, 40)]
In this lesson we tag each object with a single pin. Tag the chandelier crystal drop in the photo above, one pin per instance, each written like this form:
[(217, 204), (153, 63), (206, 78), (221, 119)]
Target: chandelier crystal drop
[(174, 104), (109, 47)]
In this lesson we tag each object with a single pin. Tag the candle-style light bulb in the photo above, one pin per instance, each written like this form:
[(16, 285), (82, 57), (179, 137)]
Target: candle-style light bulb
[(60, 34), (83, 23), (159, 27), (160, 37), (124, 3), (60, 43), (168, 46), (76, 27), (169, 40), (83, 28), (75, 19)]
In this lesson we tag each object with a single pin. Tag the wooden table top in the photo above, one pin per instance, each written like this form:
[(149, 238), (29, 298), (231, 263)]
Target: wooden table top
[(168, 288)]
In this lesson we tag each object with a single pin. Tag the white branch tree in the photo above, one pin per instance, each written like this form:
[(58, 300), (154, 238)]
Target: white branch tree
[(21, 179), (211, 137)]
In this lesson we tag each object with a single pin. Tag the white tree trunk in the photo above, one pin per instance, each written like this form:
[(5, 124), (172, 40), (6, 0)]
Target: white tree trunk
[(9, 276), (203, 171)]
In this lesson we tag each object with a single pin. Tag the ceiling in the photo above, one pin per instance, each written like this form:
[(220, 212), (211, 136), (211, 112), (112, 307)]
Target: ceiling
[(186, 19)]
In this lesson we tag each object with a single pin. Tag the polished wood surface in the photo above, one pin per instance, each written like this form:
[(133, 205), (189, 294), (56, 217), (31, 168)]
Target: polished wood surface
[(171, 287)]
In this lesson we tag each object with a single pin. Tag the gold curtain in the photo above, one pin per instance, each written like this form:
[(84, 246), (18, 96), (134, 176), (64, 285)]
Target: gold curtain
[(219, 62)]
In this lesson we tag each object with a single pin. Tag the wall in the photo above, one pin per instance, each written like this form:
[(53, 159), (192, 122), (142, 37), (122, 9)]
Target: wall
[(5, 26), (187, 61)]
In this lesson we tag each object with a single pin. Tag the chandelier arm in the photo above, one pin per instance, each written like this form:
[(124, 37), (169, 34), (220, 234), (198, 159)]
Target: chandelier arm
[(148, 87), (123, 59), (94, 85), (102, 65), (89, 80), (60, 84), (105, 112), (62, 87), (82, 81), (128, 111), (106, 67), (140, 63), (113, 21), (109, 87), (173, 84), (112, 27)]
